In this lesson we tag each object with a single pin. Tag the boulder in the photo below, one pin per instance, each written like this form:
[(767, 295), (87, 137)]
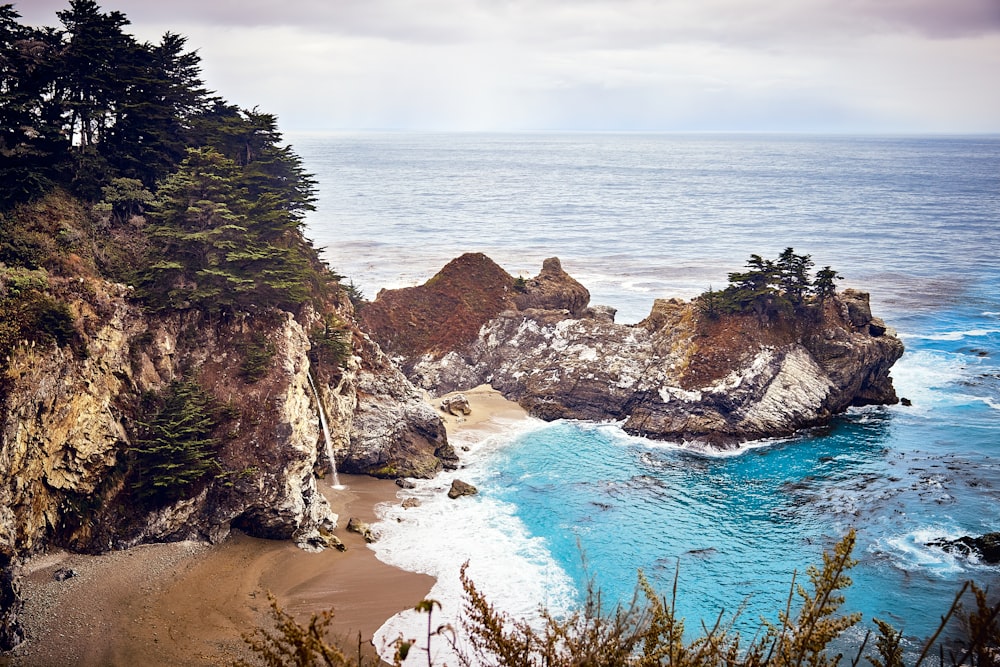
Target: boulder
[(460, 488), (409, 503), (456, 405), (356, 525)]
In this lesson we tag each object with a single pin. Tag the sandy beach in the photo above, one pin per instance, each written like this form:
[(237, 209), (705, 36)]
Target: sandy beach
[(189, 603)]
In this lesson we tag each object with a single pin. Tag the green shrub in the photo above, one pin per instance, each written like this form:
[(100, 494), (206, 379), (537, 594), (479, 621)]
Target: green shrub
[(647, 633), (331, 342)]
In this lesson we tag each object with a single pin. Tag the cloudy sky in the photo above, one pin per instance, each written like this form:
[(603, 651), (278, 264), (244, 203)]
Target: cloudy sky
[(671, 65)]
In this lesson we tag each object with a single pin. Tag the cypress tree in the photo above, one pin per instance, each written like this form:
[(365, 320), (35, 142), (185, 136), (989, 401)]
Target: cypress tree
[(174, 450)]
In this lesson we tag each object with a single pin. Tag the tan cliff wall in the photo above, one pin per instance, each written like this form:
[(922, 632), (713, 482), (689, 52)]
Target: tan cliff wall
[(70, 417)]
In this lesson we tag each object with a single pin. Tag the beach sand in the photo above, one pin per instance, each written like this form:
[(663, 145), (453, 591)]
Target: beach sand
[(189, 603)]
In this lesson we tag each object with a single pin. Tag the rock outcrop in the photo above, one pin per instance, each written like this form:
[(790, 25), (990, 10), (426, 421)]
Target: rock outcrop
[(986, 547), (460, 488), (70, 419), (677, 375), (456, 405)]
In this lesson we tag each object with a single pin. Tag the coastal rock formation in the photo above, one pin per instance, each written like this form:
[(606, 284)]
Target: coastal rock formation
[(11, 605), (460, 488), (456, 405), (677, 375), (356, 525), (986, 547), (71, 417)]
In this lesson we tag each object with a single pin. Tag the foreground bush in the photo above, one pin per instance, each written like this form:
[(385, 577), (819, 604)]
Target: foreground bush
[(647, 633)]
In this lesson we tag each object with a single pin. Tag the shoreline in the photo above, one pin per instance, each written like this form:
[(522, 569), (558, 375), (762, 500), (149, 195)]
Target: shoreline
[(189, 602)]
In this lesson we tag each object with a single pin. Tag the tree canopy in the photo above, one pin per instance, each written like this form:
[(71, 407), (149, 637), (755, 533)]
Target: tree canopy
[(772, 286), (88, 108)]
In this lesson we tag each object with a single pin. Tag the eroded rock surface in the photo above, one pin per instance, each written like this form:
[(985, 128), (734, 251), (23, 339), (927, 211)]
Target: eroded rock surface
[(70, 418), (676, 375)]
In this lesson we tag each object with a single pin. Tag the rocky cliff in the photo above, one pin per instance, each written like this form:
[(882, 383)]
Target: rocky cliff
[(677, 375), (122, 424), (71, 417)]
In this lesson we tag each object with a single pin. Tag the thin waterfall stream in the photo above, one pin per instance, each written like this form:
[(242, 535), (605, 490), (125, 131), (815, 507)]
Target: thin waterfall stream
[(326, 434)]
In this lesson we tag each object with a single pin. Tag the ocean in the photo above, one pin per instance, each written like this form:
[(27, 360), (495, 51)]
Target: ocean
[(915, 221)]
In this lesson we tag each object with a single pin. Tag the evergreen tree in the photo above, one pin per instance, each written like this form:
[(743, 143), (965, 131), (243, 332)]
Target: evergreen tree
[(95, 67), (824, 287), (793, 275), (165, 91), (218, 249), (751, 289), (174, 450), (32, 144)]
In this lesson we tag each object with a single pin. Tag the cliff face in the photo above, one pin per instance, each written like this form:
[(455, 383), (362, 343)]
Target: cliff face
[(71, 418), (676, 375)]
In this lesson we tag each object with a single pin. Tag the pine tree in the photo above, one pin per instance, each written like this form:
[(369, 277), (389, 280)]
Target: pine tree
[(32, 144), (219, 249), (174, 450), (792, 273), (824, 287)]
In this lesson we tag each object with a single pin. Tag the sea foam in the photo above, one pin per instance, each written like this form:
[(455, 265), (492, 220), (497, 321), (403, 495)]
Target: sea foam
[(513, 569)]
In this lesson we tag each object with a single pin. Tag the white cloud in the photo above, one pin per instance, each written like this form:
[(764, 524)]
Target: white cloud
[(598, 64)]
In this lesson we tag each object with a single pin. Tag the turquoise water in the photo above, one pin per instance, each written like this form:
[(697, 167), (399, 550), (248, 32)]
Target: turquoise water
[(913, 220)]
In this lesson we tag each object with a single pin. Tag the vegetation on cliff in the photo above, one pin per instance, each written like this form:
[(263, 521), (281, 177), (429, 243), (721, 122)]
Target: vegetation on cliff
[(128, 128), (119, 166), (770, 287), (174, 450), (162, 313)]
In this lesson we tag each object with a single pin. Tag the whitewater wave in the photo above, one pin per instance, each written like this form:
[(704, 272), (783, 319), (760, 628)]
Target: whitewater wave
[(513, 569), (910, 551), (613, 431), (951, 335), (923, 376)]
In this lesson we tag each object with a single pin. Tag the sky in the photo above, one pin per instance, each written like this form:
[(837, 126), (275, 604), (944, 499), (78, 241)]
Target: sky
[(868, 66)]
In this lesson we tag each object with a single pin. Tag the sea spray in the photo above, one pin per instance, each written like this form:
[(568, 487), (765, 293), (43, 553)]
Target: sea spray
[(514, 569), (326, 435)]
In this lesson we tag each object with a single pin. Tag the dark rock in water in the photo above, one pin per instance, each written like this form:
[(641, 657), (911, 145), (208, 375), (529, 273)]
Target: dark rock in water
[(987, 547), (409, 503), (405, 483), (64, 573), (460, 488), (905, 402), (448, 456)]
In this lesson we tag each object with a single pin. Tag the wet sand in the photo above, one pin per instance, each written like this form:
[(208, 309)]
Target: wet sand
[(189, 603)]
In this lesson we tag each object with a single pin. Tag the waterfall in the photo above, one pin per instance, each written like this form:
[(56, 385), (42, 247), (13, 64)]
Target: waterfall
[(326, 434)]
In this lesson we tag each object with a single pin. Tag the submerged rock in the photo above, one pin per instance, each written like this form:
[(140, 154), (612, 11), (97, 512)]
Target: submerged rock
[(986, 547), (677, 375)]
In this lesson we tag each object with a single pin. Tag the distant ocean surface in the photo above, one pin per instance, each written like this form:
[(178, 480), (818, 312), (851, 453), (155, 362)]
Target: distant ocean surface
[(913, 220)]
